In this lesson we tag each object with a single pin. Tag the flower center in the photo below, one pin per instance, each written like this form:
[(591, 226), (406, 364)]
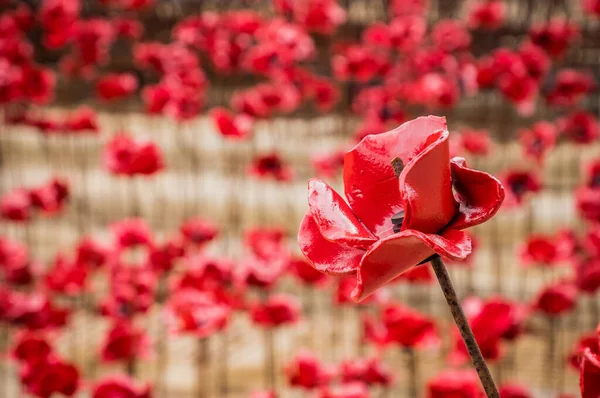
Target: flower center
[(397, 220)]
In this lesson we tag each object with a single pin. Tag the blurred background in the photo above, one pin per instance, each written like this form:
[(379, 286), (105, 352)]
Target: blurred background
[(151, 148)]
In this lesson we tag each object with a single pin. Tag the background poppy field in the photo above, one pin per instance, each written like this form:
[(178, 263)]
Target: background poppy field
[(154, 164)]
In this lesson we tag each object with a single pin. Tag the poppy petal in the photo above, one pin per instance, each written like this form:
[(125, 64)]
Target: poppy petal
[(391, 256), (589, 376), (478, 194), (369, 181), (426, 186), (326, 256), (335, 218)]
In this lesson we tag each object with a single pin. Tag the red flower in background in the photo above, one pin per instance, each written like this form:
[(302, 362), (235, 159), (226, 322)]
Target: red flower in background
[(488, 15), (545, 251), (402, 33), (570, 87), (15, 265), (132, 290), (592, 6), (124, 155), (92, 39), (57, 18), (129, 28), (556, 299), (205, 274), (34, 311), (271, 166), (450, 35), (198, 231), (345, 285), (52, 376), (66, 277), (591, 241), (580, 127), (514, 391), (538, 141), (277, 310), (306, 274), (359, 63), (124, 342), (232, 126), (131, 232), (328, 165), (50, 197), (162, 258), (307, 372), (119, 386), (320, 16), (454, 384), (370, 371), (82, 119), (555, 37), (587, 274), (518, 185), (476, 142), (347, 390), (360, 237), (16, 205), (91, 254), (31, 347), (591, 342), (115, 86), (592, 174), (589, 379), (195, 312), (587, 201)]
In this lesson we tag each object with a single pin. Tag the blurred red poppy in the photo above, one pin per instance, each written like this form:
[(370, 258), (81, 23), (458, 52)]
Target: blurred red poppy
[(195, 312), (66, 277), (306, 371), (476, 142), (82, 119), (371, 371), (16, 205), (570, 87), (544, 251), (589, 380), (43, 379), (131, 232), (306, 274), (271, 166), (587, 202), (488, 15), (119, 386), (556, 299), (518, 185), (31, 347), (51, 196), (514, 391), (124, 342), (116, 86), (328, 165), (124, 155), (277, 310), (198, 231), (454, 383), (587, 274), (538, 141), (580, 127), (232, 126), (589, 341)]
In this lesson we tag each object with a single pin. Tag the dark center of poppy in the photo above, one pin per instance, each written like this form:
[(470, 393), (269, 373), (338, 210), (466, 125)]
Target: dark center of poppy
[(519, 187), (385, 113), (537, 146), (397, 220)]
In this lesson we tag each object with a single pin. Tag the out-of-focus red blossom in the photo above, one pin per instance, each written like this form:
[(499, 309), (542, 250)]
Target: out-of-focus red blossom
[(359, 237), (92, 39), (454, 384), (347, 390), (328, 165), (589, 376), (266, 99), (591, 174), (587, 201), (271, 166), (556, 299), (115, 86), (124, 155), (492, 321), (359, 63), (16, 205), (522, 90), (82, 119), (589, 341), (58, 18), (587, 274), (128, 28), (408, 7), (205, 274), (72, 67), (545, 251), (15, 265), (195, 312), (34, 311), (320, 16), (591, 241), (49, 377), (306, 274), (538, 140), (592, 6), (124, 342), (130, 5), (555, 36), (31, 347), (519, 184), (162, 257), (450, 35), (266, 243), (569, 87), (476, 142), (580, 127), (403, 326), (514, 391), (90, 253), (371, 371), (433, 90), (402, 33), (51, 196), (488, 15), (131, 232), (277, 310), (119, 386), (198, 231), (306, 371), (66, 277), (232, 126), (132, 290)]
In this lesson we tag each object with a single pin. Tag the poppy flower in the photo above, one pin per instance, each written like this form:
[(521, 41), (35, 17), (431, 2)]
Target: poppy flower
[(514, 391), (449, 35), (92, 40), (370, 371), (360, 237), (50, 197), (131, 232), (587, 202), (537, 63), (195, 312), (402, 33), (358, 62), (232, 126), (306, 274), (128, 28), (271, 166), (538, 141), (265, 99), (591, 241), (592, 7), (435, 91), (16, 205), (556, 299), (91, 253), (569, 87), (66, 277), (580, 127), (543, 250), (115, 86), (476, 142), (263, 394), (454, 383), (124, 342), (521, 90), (320, 16), (519, 184), (162, 257), (347, 390), (57, 18), (260, 273), (328, 165), (492, 321), (119, 386), (306, 371), (124, 155), (205, 274), (277, 310), (132, 290), (31, 347), (35, 312), (198, 231), (53, 376), (555, 37), (589, 376), (82, 119), (592, 174), (488, 15), (589, 341), (587, 274)]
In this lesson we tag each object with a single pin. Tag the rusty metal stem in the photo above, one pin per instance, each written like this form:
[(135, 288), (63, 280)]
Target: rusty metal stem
[(465, 329)]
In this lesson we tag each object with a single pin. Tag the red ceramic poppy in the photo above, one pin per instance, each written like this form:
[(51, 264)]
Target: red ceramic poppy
[(306, 371), (454, 383), (31, 347), (402, 34), (127, 28), (450, 35), (592, 7), (328, 165), (196, 313), (538, 141), (51, 196), (35, 312), (518, 185), (131, 232), (16, 205), (514, 391), (198, 231), (591, 241), (476, 142), (92, 40), (162, 258), (589, 376), (119, 386), (90, 253), (589, 341), (82, 119), (348, 390), (570, 87), (306, 274), (271, 166), (359, 63), (277, 310), (205, 274), (232, 126), (66, 277), (57, 18), (587, 202), (556, 299), (544, 251), (488, 15), (359, 237), (52, 376), (124, 155), (580, 127), (320, 16), (555, 37), (15, 264), (587, 274), (116, 86), (124, 342), (371, 371), (591, 174)]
